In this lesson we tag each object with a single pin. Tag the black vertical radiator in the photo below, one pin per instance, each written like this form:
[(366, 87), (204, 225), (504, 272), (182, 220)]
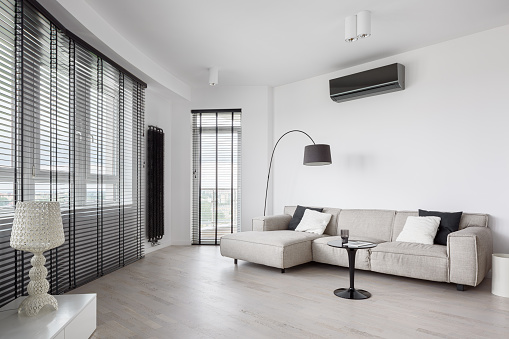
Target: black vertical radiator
[(155, 184)]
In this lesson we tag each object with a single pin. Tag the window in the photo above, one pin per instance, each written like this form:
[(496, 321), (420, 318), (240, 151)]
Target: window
[(71, 130), (216, 174), (7, 91)]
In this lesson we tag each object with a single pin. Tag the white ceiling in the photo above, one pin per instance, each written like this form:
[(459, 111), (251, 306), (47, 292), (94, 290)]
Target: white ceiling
[(275, 42)]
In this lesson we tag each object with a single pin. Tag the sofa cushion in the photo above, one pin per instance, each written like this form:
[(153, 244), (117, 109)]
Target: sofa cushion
[(375, 224), (298, 214), (333, 223), (449, 222), (313, 222), (409, 248), (281, 249), (421, 230), (272, 238), (411, 260), (338, 256)]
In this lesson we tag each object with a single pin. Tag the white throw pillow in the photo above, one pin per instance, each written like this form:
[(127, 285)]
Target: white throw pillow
[(313, 222), (420, 230)]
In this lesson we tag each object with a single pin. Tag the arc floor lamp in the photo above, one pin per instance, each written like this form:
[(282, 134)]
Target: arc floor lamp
[(314, 155)]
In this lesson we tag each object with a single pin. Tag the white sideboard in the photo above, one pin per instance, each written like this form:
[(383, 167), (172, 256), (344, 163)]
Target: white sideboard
[(76, 318)]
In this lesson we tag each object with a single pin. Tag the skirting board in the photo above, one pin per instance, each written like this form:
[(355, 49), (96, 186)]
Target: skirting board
[(150, 249)]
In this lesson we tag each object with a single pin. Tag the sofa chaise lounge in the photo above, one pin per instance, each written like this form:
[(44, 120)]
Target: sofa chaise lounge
[(465, 260)]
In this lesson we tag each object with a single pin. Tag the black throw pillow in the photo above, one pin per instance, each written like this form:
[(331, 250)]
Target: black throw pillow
[(449, 222), (298, 214)]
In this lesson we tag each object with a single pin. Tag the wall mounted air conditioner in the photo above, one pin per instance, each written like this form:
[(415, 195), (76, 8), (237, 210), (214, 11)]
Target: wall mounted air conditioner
[(375, 81)]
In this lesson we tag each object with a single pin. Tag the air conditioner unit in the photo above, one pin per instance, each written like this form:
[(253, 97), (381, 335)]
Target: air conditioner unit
[(375, 81)]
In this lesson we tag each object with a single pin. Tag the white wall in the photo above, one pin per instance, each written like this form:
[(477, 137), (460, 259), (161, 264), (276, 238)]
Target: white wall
[(441, 144), (171, 113), (256, 104), (181, 172)]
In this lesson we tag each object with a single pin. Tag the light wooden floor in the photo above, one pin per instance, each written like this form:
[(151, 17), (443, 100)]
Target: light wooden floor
[(193, 292)]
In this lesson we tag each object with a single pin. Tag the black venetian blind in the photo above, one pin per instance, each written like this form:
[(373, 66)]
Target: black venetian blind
[(71, 130)]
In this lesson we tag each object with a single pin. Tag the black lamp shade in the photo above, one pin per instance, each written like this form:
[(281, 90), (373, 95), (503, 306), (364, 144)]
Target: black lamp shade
[(317, 155)]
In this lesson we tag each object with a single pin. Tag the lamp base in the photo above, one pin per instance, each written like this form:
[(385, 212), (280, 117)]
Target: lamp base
[(37, 288), (34, 303)]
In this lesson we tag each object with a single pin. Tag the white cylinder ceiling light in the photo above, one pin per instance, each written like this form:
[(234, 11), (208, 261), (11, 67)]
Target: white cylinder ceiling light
[(358, 26), (213, 76), (351, 28), (363, 24)]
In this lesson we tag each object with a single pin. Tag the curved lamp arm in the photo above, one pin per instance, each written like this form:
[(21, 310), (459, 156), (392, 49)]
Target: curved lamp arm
[(325, 161)]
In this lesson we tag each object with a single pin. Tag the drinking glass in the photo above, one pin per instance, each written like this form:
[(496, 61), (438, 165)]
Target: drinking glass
[(344, 235)]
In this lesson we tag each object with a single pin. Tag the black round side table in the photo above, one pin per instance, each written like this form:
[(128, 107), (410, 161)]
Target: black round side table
[(351, 292)]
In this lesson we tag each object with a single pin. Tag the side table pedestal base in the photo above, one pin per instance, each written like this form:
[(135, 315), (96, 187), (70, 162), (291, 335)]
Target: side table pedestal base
[(352, 293)]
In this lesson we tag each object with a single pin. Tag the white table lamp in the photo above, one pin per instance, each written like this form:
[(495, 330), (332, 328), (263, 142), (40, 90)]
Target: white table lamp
[(37, 227)]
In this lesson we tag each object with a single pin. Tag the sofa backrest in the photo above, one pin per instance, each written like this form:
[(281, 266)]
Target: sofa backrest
[(333, 223), (473, 219), (332, 226), (384, 225), (372, 224)]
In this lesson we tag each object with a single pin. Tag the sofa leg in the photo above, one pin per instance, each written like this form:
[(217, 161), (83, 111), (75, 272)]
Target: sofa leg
[(460, 287), (282, 270), (235, 261)]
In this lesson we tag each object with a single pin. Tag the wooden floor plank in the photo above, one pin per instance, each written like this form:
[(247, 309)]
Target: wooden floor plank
[(193, 292)]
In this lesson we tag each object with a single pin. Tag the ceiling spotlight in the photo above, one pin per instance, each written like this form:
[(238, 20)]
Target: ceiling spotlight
[(351, 28), (363, 24), (213, 76)]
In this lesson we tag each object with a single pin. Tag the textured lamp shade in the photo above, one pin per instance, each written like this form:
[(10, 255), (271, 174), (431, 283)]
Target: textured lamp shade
[(37, 227), (317, 155)]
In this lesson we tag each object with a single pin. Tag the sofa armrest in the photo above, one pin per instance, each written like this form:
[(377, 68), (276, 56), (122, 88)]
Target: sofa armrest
[(271, 223), (469, 251)]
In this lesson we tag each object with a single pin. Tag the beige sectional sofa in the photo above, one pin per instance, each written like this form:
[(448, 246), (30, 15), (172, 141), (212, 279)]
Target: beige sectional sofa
[(464, 261)]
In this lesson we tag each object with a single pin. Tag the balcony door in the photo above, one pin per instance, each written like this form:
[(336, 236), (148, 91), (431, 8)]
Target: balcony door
[(216, 174)]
